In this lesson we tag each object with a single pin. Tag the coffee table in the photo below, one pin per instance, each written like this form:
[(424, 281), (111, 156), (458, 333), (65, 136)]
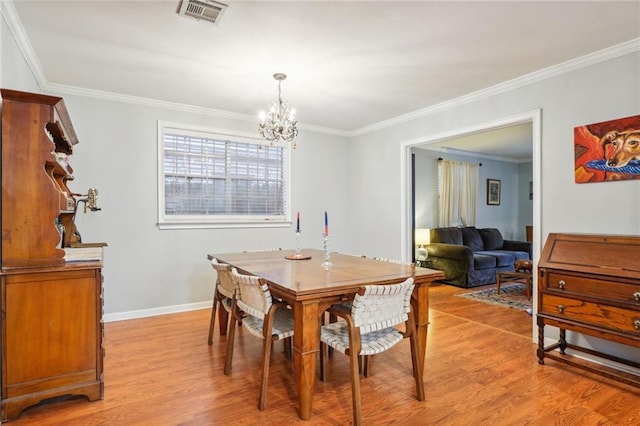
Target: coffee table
[(516, 276)]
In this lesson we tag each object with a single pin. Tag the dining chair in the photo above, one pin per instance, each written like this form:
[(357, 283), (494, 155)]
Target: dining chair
[(222, 297), (368, 329), (365, 360), (263, 317)]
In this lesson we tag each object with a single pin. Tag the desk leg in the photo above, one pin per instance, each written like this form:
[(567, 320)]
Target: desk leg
[(306, 345), (420, 308)]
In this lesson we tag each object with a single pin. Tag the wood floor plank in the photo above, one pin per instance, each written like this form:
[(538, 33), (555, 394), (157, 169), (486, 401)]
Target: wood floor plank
[(480, 369)]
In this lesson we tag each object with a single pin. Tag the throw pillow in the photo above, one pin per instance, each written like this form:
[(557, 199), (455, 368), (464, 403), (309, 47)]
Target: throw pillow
[(449, 235), (492, 238), (472, 239)]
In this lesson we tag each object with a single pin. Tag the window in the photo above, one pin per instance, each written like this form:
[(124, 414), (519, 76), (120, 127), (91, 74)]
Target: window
[(212, 179)]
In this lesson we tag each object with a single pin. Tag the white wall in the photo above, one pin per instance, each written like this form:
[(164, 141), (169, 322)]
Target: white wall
[(150, 271), (505, 217), (525, 204), (426, 188), (599, 92), (14, 71), (359, 183), (148, 268)]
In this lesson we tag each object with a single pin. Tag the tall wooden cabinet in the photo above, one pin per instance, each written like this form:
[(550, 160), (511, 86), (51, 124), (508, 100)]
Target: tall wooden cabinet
[(51, 320)]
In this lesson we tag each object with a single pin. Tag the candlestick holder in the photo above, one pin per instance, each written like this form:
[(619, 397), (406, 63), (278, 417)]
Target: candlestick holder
[(327, 256), (298, 255)]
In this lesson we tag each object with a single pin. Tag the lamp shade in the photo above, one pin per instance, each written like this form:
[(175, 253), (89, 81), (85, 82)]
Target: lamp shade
[(422, 236)]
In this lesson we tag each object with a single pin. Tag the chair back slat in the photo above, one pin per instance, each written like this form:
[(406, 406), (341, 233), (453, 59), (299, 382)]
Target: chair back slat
[(252, 294), (382, 306), (398, 262), (225, 279)]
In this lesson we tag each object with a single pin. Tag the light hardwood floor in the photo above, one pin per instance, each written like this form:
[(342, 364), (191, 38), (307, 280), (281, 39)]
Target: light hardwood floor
[(480, 369)]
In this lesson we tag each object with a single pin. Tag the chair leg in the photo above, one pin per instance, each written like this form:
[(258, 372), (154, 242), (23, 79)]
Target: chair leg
[(266, 357), (355, 388), (287, 348), (332, 318), (366, 365), (230, 343), (324, 353), (223, 319), (212, 321)]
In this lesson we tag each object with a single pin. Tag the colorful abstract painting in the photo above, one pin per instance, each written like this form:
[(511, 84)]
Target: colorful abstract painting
[(607, 151)]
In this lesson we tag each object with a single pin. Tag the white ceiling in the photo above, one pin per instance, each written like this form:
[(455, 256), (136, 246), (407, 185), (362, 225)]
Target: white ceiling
[(350, 64), (511, 143)]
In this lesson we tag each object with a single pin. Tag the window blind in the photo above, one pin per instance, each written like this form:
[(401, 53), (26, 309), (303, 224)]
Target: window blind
[(217, 179)]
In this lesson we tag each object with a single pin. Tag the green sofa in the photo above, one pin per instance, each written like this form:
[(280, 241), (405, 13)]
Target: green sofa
[(471, 257)]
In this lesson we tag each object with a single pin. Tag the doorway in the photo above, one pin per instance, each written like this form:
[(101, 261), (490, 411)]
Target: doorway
[(407, 225)]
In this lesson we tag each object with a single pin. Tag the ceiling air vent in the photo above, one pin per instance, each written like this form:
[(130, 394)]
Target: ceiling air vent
[(206, 10)]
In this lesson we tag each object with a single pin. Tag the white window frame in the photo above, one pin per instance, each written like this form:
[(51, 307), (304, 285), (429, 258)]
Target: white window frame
[(174, 221)]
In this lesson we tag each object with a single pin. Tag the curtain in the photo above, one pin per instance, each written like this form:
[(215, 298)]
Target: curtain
[(458, 190)]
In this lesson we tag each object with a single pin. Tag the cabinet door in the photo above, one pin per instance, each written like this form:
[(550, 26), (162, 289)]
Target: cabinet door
[(51, 330)]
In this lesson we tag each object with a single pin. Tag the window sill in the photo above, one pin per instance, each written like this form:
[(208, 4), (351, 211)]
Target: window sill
[(220, 225)]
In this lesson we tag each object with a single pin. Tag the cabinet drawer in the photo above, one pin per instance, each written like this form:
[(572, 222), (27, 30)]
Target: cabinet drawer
[(611, 317), (593, 287)]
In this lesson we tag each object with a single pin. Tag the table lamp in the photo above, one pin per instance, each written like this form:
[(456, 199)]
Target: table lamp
[(421, 239)]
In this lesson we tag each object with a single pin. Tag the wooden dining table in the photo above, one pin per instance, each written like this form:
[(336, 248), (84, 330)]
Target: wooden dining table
[(311, 288)]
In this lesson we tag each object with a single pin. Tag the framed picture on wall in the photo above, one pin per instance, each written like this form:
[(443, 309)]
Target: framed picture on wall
[(493, 192)]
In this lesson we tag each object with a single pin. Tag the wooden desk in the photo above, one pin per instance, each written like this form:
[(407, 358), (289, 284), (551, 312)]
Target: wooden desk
[(310, 289)]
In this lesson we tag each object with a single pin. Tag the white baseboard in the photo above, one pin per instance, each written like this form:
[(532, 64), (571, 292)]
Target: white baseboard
[(142, 313)]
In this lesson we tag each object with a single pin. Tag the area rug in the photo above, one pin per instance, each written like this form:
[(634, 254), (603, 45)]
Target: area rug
[(511, 296)]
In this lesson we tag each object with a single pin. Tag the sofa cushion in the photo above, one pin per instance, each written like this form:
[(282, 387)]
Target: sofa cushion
[(492, 238), (517, 255), (503, 258), (482, 261), (449, 235), (472, 239)]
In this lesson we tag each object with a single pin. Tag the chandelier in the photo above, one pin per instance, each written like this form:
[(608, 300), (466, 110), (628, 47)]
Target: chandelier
[(279, 123)]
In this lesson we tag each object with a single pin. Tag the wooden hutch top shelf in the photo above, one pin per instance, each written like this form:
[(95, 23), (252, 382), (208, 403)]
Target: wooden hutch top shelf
[(37, 139)]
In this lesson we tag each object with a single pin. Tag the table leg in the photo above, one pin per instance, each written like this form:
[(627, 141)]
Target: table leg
[(499, 276), (306, 345), (420, 308)]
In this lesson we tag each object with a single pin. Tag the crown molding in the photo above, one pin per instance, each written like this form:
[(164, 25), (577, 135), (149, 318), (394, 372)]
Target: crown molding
[(600, 56), (62, 89), (15, 25)]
